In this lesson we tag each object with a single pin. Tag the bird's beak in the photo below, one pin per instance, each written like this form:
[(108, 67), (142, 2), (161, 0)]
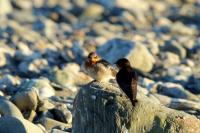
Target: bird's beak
[(95, 59)]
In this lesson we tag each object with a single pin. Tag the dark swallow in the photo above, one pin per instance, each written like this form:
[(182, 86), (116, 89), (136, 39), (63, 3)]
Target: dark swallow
[(127, 79)]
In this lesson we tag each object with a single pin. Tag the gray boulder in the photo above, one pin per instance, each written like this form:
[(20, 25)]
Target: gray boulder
[(10, 124), (103, 108), (7, 108), (138, 54)]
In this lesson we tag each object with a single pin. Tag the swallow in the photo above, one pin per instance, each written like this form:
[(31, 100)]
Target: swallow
[(127, 79), (98, 68)]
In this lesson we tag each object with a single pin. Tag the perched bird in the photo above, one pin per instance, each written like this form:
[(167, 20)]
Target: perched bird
[(127, 79), (98, 69)]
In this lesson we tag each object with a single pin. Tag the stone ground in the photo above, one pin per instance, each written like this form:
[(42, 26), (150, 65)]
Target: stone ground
[(43, 43)]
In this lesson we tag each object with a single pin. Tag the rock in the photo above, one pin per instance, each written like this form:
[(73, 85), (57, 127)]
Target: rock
[(45, 105), (188, 42), (50, 26), (92, 11), (26, 100), (41, 127), (177, 103), (107, 30), (107, 4), (5, 7), (8, 83), (148, 84), (142, 6), (10, 124), (175, 90), (193, 84), (137, 54), (49, 123), (58, 131), (153, 47), (1, 94), (35, 66), (101, 108), (188, 62), (23, 4), (70, 76), (62, 114), (3, 59), (22, 52), (179, 70), (174, 47), (9, 109), (185, 30), (30, 115), (42, 86), (169, 59)]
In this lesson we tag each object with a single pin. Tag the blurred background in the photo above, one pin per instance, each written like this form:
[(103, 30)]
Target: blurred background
[(45, 41)]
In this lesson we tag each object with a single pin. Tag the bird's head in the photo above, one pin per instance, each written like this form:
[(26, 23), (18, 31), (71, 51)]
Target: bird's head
[(93, 57), (123, 62)]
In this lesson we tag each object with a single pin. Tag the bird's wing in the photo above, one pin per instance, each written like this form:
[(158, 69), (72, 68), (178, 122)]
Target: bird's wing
[(109, 66), (134, 84), (105, 63)]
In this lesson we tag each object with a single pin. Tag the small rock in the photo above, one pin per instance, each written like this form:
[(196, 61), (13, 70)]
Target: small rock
[(22, 52), (5, 7), (35, 66), (50, 28), (42, 86), (153, 47), (26, 100), (29, 115), (23, 4), (92, 11), (185, 30), (50, 123), (176, 91), (1, 94), (3, 59), (45, 105), (177, 103), (169, 59), (70, 76), (188, 62), (148, 84), (193, 84), (58, 131), (8, 83), (174, 47), (62, 114), (179, 70), (107, 4)]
